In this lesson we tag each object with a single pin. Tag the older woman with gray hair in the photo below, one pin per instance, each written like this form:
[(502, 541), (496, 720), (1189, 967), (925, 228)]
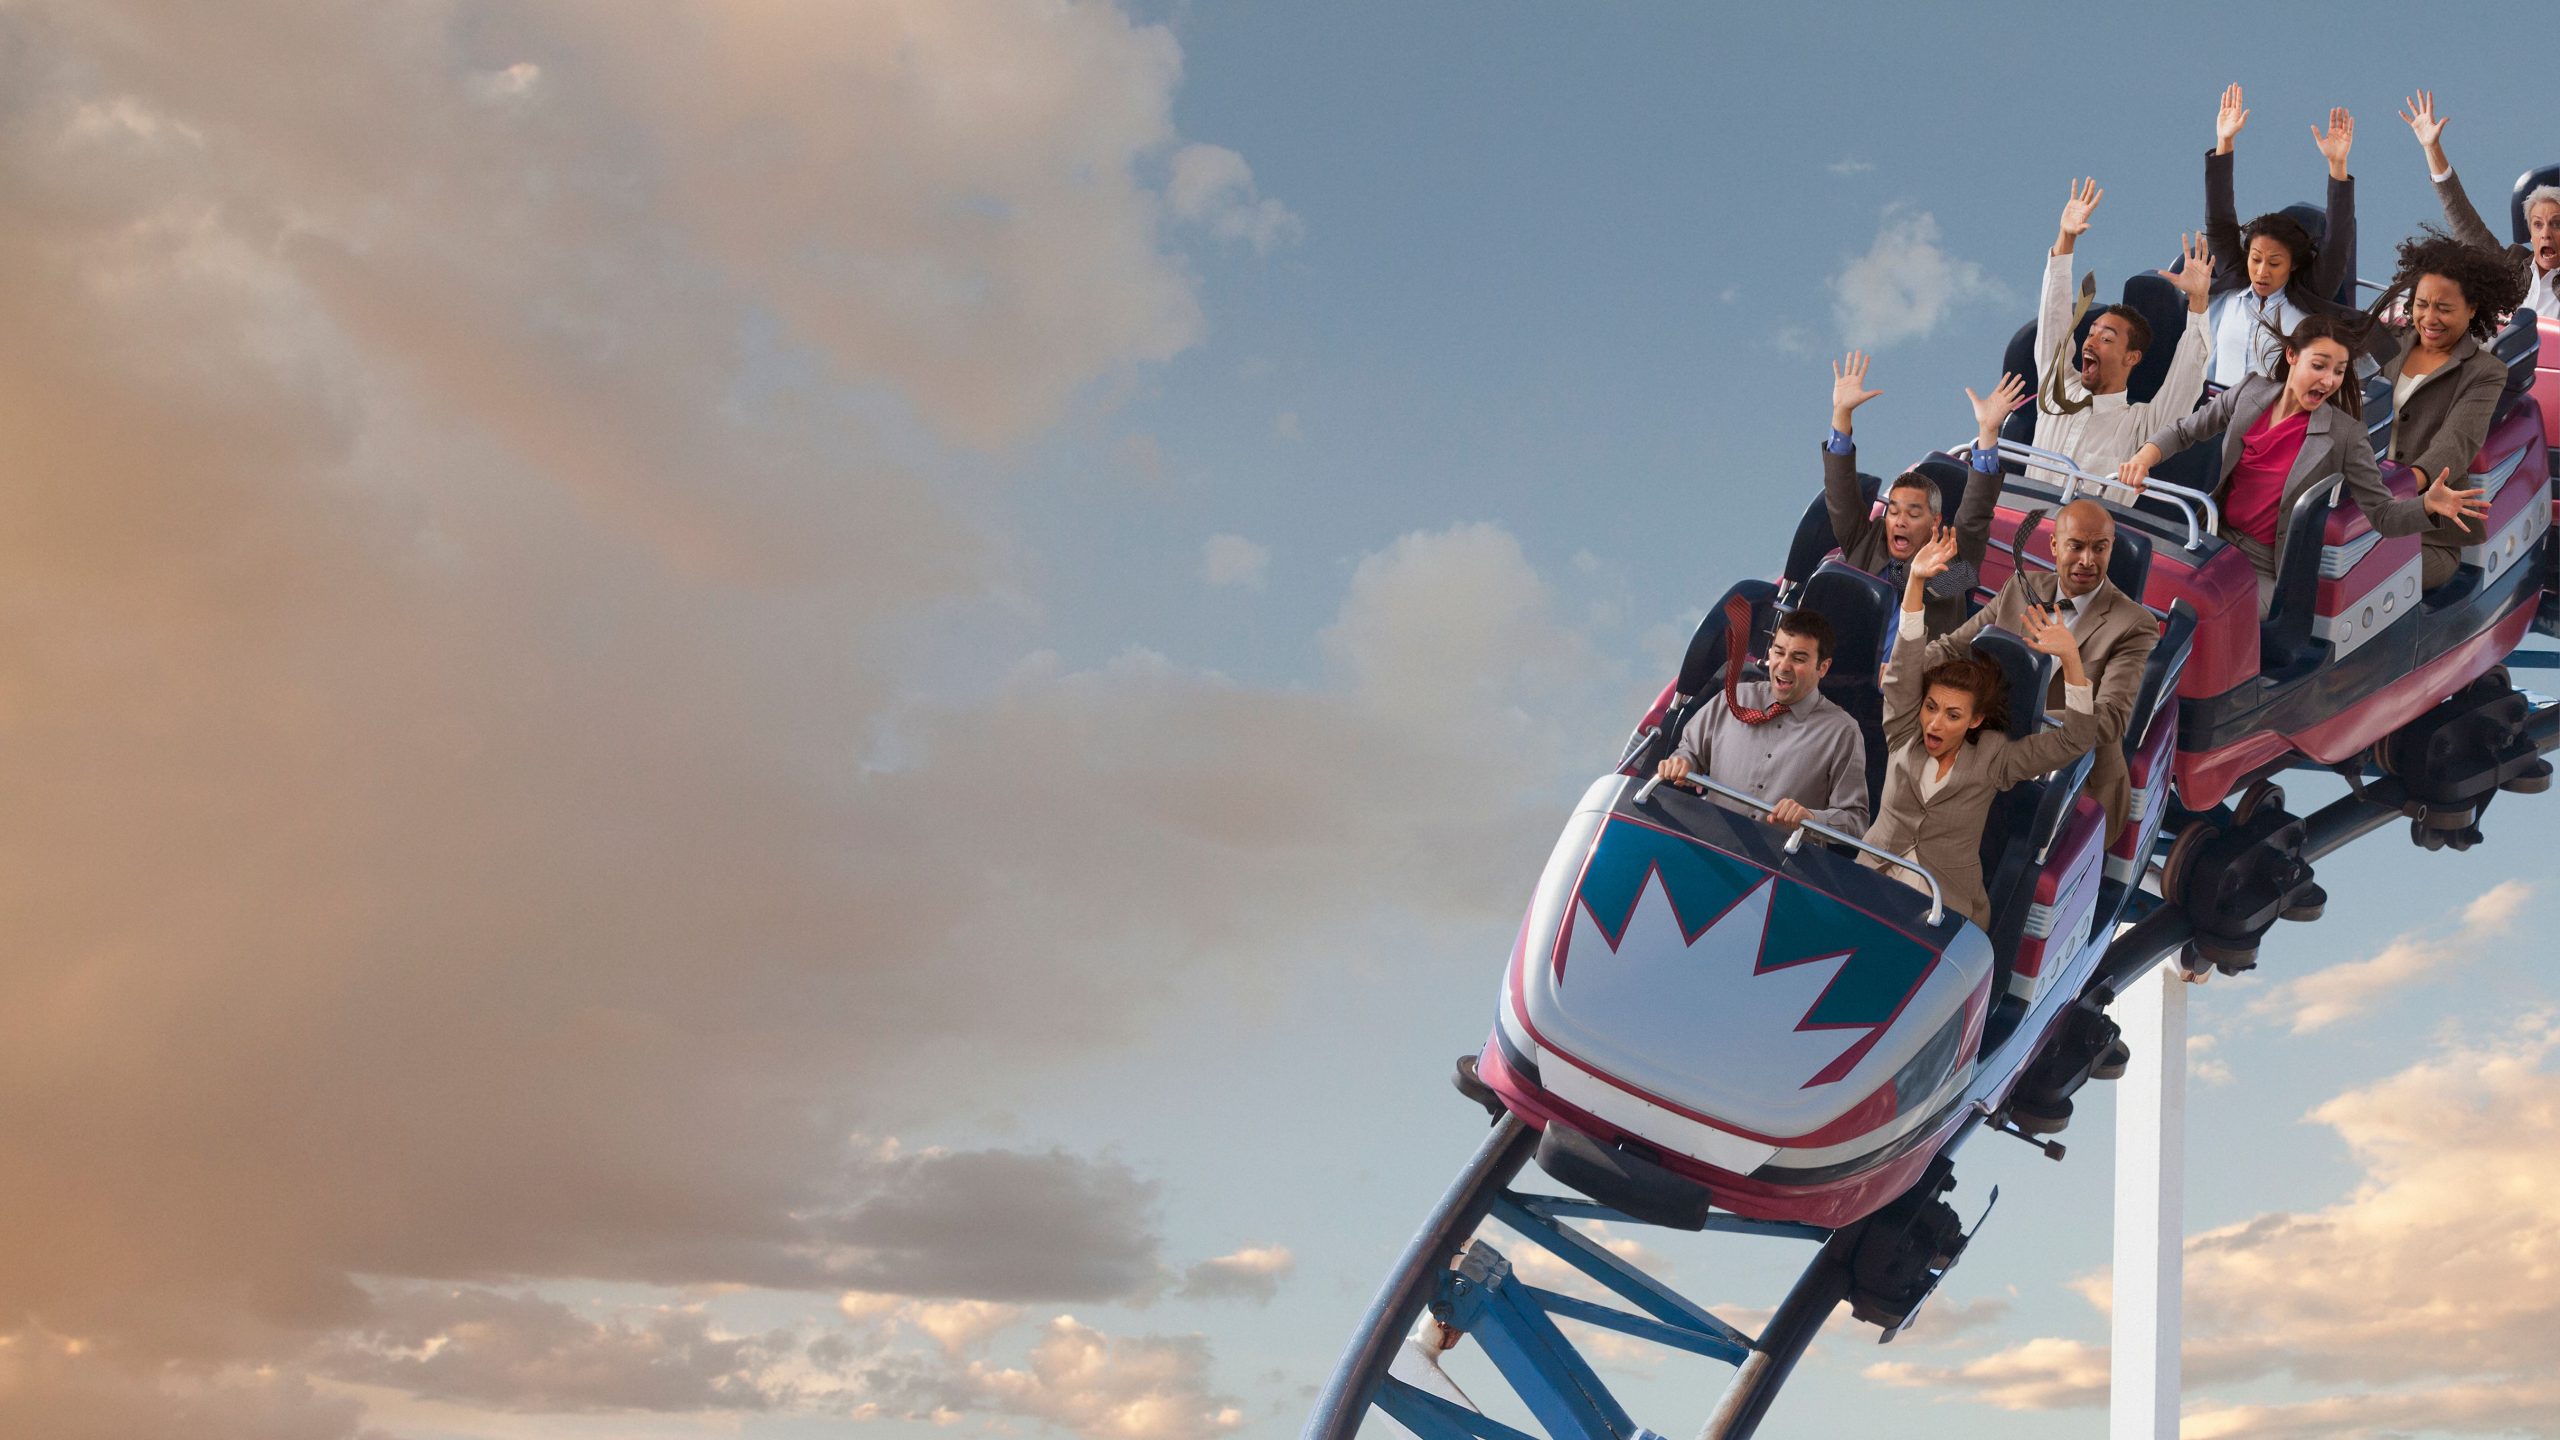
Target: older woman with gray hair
[(2538, 260)]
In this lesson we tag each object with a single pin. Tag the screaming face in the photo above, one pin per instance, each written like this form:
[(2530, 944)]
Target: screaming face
[(1908, 520), (1947, 716), (2319, 369), (2107, 356), (2542, 232)]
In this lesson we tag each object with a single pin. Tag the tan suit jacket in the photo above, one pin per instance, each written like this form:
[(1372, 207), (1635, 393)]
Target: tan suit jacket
[(2333, 443), (1944, 834), (2116, 639)]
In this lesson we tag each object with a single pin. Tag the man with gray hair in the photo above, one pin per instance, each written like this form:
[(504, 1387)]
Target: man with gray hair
[(1883, 543), (2539, 256)]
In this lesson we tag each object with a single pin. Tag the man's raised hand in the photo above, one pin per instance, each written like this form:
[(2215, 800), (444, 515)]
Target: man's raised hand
[(2228, 121), (2085, 196), (2336, 141), (1849, 388), (2194, 275), (2446, 503), (1989, 410)]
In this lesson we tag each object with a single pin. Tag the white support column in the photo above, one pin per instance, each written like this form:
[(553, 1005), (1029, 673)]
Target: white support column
[(2151, 1193)]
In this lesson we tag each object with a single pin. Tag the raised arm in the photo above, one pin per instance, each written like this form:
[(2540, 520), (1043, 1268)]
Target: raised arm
[(1982, 484), (1848, 506), (2221, 212), (2420, 111), (2330, 272), (2180, 433), (2053, 309), (1912, 657), (2185, 380)]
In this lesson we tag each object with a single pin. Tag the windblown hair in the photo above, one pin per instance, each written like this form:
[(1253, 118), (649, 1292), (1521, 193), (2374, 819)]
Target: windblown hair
[(1980, 679), (1810, 625), (2491, 284), (2349, 329), (2288, 232)]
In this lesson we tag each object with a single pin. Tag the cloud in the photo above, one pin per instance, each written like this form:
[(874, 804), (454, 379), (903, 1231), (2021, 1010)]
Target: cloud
[(997, 1225), (1906, 285), (2424, 1292), (2340, 992), (525, 1353), (1232, 560), (1100, 1386), (2207, 1067), (1850, 166), (1211, 186), (2042, 1374), (1286, 427), (66, 1393), (1253, 1273)]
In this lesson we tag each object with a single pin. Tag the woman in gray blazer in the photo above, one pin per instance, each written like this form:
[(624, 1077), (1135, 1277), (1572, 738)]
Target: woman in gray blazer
[(2284, 437), (2444, 382), (1951, 752)]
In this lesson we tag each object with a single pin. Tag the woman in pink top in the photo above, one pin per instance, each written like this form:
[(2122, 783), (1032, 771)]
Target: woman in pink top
[(2284, 436)]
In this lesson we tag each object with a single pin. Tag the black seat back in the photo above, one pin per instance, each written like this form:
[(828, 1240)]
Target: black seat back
[(2158, 692), (1862, 611), (2022, 818), (2284, 632), (2526, 184), (2129, 563), (1702, 668), (1814, 537)]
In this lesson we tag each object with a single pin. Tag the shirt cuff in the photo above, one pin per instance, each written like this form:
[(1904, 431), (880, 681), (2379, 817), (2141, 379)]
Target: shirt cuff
[(2440, 176), (1839, 444), (1986, 462), (1915, 623), (2080, 699)]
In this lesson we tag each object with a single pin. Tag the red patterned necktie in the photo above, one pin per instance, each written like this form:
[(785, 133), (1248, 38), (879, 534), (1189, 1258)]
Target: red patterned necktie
[(1737, 643)]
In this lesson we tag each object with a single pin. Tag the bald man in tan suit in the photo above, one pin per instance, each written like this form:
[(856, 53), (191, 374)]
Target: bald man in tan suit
[(2115, 633)]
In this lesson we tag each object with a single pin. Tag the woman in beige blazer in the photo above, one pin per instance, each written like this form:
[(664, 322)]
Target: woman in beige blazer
[(2444, 382), (1951, 752), (2312, 411)]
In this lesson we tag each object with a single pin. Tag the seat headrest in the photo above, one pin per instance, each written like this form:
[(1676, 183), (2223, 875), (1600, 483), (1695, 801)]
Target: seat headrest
[(2164, 307), (1951, 475), (1861, 610), (2526, 184), (2129, 564), (1814, 537), (2027, 671), (2019, 358), (1702, 669)]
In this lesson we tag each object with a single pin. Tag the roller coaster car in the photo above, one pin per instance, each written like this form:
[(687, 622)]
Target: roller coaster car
[(1700, 1012)]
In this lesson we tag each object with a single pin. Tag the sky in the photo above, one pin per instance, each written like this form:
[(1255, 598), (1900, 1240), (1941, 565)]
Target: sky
[(786, 719)]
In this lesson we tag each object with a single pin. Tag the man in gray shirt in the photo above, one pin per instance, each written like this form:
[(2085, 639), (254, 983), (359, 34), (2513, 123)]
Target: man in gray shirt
[(1779, 739)]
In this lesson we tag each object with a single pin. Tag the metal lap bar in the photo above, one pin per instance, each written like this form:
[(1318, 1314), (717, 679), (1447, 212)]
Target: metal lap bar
[(1433, 1418), (1544, 1369), (1630, 1284), (2189, 502), (1699, 778)]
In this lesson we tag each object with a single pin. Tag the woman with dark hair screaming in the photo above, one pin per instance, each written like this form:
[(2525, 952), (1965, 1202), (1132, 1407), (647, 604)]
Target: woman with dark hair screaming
[(2286, 434), (2444, 381), (1949, 728)]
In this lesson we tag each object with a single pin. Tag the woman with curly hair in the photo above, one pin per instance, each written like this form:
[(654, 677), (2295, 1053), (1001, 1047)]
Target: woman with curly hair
[(2445, 382), (2284, 435)]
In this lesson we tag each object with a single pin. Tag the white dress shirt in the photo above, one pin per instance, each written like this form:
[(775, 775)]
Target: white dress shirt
[(2106, 433)]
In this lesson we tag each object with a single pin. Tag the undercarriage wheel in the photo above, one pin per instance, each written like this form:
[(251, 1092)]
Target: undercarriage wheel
[(2191, 841), (2265, 792)]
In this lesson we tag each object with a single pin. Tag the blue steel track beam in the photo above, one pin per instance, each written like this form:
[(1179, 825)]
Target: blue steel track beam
[(1632, 1285), (1550, 1376)]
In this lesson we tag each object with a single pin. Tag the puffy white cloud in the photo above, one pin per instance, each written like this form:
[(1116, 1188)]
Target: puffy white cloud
[(2420, 1300), (1212, 186), (1099, 1386), (1232, 560), (522, 1352), (2344, 991), (1253, 1273), (1905, 285)]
